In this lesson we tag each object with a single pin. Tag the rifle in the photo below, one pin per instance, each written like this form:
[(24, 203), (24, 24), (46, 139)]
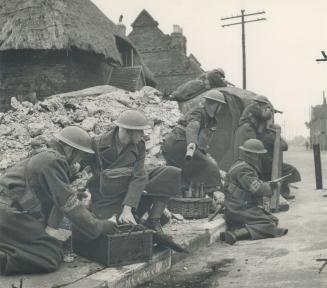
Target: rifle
[(167, 241), (280, 179), (276, 170), (278, 111), (159, 238)]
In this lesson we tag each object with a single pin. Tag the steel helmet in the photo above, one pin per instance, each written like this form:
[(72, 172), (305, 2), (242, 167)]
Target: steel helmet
[(215, 95), (261, 99), (76, 137), (133, 120), (253, 146), (221, 72)]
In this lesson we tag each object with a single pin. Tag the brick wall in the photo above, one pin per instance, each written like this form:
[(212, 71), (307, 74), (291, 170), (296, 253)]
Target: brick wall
[(48, 72), (170, 65)]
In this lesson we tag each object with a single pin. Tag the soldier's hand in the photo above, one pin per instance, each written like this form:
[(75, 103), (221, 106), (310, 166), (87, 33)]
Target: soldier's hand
[(109, 227), (126, 217), (268, 192), (273, 185), (191, 146)]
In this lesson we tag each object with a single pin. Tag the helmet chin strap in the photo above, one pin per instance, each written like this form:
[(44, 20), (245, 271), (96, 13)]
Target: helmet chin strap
[(68, 152), (218, 108)]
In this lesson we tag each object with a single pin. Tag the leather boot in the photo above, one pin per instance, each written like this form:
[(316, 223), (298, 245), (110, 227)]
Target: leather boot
[(286, 192), (155, 214), (3, 263), (240, 234)]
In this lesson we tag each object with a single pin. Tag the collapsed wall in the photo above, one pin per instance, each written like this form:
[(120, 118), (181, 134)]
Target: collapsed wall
[(26, 128)]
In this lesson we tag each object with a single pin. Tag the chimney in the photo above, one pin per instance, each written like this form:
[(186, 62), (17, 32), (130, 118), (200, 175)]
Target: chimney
[(178, 40), (121, 27)]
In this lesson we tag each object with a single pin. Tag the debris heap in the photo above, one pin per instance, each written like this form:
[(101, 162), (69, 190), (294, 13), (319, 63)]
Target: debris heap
[(27, 127)]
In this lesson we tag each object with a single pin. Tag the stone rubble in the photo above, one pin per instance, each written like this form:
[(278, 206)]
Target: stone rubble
[(26, 128)]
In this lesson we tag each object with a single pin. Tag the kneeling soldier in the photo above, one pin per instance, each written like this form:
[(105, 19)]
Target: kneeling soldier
[(193, 134), (29, 192), (244, 199), (120, 178)]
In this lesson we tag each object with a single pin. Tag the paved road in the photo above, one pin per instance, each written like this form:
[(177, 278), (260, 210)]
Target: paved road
[(289, 261)]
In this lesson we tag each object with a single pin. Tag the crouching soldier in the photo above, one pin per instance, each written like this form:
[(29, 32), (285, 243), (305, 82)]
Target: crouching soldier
[(29, 192), (254, 117), (120, 184), (244, 214), (193, 135)]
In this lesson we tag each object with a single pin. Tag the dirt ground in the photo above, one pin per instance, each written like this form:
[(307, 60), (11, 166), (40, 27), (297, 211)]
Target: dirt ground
[(289, 261)]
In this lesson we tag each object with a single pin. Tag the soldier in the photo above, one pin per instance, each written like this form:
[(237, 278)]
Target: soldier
[(267, 136), (253, 119), (206, 81), (244, 214), (120, 179), (193, 134), (29, 192)]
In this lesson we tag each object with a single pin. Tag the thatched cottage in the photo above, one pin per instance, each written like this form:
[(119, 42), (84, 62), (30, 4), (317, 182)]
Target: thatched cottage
[(165, 55), (55, 46)]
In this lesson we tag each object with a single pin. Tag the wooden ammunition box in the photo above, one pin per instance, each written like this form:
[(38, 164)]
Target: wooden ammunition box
[(114, 250)]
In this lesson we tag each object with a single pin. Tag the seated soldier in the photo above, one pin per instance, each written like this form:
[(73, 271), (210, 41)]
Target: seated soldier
[(193, 134), (245, 217), (253, 117), (29, 192), (267, 137), (120, 184)]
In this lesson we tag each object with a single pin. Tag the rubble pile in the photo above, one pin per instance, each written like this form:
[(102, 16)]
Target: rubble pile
[(27, 127)]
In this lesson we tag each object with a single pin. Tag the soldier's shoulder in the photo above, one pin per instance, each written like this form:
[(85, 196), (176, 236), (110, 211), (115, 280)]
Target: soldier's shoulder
[(48, 158), (197, 110), (245, 126), (238, 166)]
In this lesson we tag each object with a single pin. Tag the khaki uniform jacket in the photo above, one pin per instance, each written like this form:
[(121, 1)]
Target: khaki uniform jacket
[(40, 182), (243, 202), (107, 156)]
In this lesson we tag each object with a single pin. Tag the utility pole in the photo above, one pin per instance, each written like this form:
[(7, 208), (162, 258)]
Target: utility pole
[(242, 16)]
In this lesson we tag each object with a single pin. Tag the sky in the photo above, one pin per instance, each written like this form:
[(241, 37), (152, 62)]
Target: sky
[(280, 52)]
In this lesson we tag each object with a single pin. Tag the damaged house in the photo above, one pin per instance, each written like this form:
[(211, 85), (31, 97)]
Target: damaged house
[(318, 125), (165, 55), (56, 46)]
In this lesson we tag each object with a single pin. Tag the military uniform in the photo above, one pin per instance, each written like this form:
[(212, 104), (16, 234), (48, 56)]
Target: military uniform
[(120, 177), (268, 139), (244, 200), (28, 192), (249, 122), (195, 127)]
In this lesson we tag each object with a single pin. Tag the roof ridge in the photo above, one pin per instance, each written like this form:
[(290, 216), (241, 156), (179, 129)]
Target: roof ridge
[(145, 14)]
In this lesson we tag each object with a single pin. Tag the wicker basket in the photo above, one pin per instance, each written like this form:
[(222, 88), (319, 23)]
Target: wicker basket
[(190, 208)]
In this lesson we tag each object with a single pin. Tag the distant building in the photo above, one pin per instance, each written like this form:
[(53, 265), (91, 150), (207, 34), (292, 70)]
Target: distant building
[(50, 47), (165, 55), (318, 125)]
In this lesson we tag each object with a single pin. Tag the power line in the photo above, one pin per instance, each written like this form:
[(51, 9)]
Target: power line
[(242, 16)]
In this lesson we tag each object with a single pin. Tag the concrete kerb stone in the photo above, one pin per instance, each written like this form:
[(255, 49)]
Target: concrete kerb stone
[(193, 234), (201, 233)]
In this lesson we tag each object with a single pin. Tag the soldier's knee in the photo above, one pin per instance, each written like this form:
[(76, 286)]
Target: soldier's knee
[(53, 263)]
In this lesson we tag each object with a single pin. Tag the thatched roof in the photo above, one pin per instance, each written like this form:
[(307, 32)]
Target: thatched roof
[(57, 24)]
